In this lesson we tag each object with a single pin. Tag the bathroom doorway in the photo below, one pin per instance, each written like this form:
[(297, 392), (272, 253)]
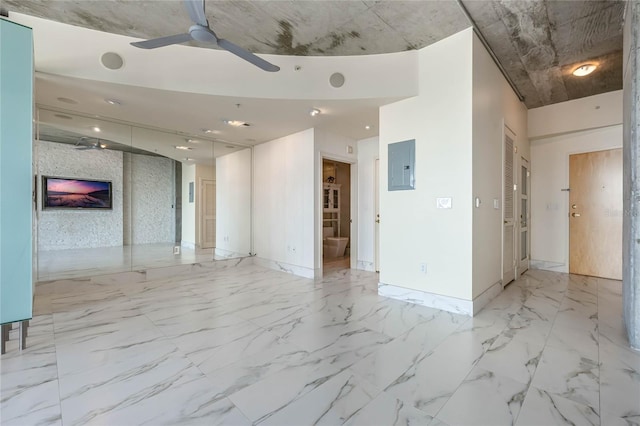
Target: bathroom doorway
[(336, 215)]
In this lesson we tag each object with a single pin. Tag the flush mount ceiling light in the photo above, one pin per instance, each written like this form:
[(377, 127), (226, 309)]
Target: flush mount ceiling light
[(210, 131), (184, 148), (236, 123), (96, 129), (585, 69), (114, 102), (314, 112)]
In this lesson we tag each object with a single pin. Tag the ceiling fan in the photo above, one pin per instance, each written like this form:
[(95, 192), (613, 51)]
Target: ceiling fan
[(201, 31), (82, 144)]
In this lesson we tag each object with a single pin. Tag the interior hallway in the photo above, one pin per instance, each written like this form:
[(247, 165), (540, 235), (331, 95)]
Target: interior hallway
[(245, 344)]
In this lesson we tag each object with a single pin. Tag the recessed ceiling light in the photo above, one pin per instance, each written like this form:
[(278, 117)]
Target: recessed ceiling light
[(192, 141), (103, 146), (210, 131), (236, 123), (67, 100), (314, 112), (184, 148), (95, 128), (188, 159), (585, 69), (63, 116), (367, 127), (113, 102)]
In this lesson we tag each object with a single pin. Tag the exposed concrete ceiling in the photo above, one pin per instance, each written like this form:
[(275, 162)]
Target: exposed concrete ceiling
[(538, 42)]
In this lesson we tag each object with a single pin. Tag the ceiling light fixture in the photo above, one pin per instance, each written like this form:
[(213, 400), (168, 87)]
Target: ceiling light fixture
[(113, 102), (367, 127), (236, 123), (184, 148), (314, 112), (188, 159), (210, 131), (67, 100), (192, 141), (585, 69), (103, 146), (96, 129)]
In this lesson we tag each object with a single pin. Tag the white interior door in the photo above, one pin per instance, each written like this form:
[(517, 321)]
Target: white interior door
[(377, 211), (208, 214), (525, 209), (508, 209)]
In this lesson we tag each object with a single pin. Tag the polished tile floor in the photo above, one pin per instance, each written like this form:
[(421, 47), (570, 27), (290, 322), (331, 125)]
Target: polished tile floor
[(87, 262), (249, 345)]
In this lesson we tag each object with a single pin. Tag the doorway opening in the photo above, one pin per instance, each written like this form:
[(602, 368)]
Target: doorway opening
[(336, 215)]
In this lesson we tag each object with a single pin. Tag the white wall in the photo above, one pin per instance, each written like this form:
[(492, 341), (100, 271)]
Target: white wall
[(412, 230), (577, 115), (283, 207), (550, 205), (233, 202), (188, 209), (494, 103), (367, 154), (152, 199), (67, 229)]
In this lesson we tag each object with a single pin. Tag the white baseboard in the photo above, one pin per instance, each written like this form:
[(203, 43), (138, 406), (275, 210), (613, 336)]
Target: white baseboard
[(549, 266), (364, 265), (300, 271), (438, 301)]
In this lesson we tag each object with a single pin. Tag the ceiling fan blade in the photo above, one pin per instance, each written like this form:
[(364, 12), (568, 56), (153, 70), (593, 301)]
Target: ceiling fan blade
[(247, 56), (162, 41), (196, 11)]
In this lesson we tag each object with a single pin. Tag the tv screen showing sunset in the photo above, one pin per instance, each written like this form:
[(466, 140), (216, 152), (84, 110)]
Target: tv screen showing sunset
[(77, 193)]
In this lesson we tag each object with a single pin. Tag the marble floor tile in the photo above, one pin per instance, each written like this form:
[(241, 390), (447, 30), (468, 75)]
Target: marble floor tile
[(246, 345), (481, 389), (544, 408), (332, 403), (513, 357), (387, 410), (569, 374)]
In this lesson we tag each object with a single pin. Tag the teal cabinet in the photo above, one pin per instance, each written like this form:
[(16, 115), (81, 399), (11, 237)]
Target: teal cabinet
[(16, 176)]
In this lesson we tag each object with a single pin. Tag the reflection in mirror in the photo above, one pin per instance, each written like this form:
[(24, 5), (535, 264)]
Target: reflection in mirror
[(73, 237), (164, 197)]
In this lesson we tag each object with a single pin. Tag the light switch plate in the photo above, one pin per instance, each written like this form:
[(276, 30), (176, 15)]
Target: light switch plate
[(443, 203), (496, 204)]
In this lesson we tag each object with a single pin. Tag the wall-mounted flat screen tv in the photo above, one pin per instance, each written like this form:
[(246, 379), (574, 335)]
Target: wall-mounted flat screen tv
[(65, 193)]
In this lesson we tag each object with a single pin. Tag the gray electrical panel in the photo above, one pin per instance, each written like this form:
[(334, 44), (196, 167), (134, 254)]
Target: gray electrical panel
[(402, 162)]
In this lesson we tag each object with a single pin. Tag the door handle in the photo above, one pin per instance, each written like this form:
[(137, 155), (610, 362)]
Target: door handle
[(377, 220), (575, 214)]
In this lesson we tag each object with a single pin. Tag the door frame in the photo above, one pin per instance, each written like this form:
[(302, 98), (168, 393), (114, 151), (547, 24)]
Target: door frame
[(353, 237), (376, 214), (521, 267)]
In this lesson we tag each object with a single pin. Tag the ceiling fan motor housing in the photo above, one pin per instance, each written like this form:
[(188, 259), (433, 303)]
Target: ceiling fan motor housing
[(204, 34)]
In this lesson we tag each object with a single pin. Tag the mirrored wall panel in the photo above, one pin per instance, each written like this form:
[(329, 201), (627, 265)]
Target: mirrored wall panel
[(117, 197)]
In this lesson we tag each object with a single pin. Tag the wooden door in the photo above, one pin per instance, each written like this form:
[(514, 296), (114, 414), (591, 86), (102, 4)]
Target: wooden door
[(208, 214), (508, 209), (595, 214)]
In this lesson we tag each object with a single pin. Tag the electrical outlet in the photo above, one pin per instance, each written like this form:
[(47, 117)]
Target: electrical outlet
[(423, 268), (176, 249)]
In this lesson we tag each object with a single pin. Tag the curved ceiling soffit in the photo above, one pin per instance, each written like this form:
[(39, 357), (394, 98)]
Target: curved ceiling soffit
[(72, 51)]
